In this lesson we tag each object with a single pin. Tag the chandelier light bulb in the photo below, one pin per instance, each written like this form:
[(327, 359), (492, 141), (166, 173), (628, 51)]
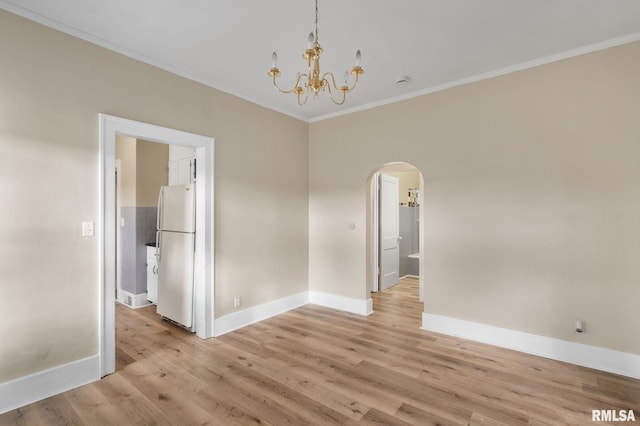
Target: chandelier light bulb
[(346, 78), (310, 40), (358, 58), (274, 60)]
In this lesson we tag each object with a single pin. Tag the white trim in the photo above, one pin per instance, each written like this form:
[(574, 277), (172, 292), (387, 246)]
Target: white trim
[(342, 303), (258, 313), (118, 189), (35, 387), (369, 307), (417, 277), (25, 13), (375, 232), (487, 75), (109, 127), (245, 317), (137, 300), (204, 245), (603, 359)]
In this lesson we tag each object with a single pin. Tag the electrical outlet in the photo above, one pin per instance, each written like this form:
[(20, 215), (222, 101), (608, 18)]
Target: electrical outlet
[(236, 302)]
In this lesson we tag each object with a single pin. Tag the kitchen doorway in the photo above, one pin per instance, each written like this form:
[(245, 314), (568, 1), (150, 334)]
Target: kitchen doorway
[(110, 127)]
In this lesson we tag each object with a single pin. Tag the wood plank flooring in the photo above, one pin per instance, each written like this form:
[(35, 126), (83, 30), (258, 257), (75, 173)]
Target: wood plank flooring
[(318, 366)]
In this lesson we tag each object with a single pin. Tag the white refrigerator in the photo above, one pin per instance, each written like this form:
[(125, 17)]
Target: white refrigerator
[(176, 246)]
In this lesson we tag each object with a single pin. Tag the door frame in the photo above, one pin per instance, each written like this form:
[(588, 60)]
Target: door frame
[(109, 127), (118, 258), (375, 231)]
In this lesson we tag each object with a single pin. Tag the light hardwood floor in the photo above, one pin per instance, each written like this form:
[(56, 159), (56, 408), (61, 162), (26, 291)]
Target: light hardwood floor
[(320, 366)]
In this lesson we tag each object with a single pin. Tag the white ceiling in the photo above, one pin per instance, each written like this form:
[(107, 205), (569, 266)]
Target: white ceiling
[(227, 44)]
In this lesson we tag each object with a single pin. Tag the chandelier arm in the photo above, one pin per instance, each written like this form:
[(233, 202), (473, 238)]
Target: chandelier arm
[(306, 97), (344, 94), (333, 79), (355, 83), (293, 90)]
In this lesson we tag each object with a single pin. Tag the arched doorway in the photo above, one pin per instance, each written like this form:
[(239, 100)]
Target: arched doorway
[(409, 213)]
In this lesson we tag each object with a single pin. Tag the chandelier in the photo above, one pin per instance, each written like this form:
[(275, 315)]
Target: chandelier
[(313, 80)]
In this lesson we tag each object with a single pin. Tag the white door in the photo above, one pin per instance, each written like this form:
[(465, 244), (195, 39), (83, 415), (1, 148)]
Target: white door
[(389, 256)]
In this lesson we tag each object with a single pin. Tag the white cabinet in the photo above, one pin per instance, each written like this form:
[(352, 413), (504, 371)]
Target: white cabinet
[(182, 171), (182, 165), (152, 275)]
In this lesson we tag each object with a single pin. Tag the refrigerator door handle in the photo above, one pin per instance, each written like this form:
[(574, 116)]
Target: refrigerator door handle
[(158, 238)]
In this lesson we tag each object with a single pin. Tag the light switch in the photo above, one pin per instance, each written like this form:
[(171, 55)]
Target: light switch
[(87, 229)]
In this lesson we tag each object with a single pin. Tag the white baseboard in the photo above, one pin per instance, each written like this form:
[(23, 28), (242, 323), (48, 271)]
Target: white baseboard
[(254, 314), (35, 387), (131, 300), (349, 304), (575, 353)]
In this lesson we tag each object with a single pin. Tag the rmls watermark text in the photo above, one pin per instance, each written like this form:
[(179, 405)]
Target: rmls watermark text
[(613, 416)]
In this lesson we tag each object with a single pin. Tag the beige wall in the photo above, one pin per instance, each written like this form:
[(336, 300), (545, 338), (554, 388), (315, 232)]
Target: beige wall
[(531, 200), (127, 154), (53, 86), (143, 170), (152, 171)]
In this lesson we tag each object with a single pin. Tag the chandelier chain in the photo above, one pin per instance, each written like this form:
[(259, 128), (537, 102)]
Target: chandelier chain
[(317, 35)]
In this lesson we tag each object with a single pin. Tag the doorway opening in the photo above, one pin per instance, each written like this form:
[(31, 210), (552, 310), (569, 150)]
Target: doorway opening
[(394, 231), (143, 168), (110, 128)]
